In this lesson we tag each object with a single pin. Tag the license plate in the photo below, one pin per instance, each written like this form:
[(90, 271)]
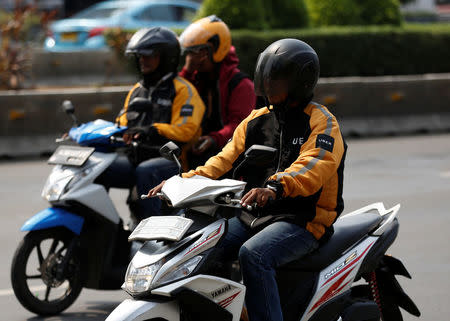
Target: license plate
[(71, 155), (69, 36), (170, 228)]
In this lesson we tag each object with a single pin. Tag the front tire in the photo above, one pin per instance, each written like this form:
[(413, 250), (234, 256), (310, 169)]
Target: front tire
[(34, 272)]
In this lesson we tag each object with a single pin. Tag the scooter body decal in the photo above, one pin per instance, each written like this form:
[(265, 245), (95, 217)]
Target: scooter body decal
[(226, 302), (196, 247), (337, 277), (343, 266)]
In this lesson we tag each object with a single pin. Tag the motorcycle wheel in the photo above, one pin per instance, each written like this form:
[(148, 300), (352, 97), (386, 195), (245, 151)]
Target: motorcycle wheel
[(33, 272)]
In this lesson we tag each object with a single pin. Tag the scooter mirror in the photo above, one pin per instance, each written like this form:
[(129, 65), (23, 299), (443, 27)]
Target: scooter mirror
[(260, 155), (132, 115), (171, 151), (256, 155), (68, 107), (140, 104)]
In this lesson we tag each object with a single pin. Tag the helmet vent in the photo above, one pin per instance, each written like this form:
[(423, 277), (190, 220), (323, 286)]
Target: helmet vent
[(214, 18)]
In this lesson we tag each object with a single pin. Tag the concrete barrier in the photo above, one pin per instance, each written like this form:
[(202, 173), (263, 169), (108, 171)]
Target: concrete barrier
[(388, 105), (31, 119), (84, 68)]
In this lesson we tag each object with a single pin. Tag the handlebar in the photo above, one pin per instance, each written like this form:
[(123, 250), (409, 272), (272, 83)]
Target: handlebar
[(115, 139), (228, 200), (249, 208)]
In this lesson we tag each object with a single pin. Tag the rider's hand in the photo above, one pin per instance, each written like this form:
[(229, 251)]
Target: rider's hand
[(258, 195), (203, 144), (128, 137), (155, 190)]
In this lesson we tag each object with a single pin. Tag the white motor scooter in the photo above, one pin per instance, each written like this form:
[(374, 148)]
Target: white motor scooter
[(178, 274)]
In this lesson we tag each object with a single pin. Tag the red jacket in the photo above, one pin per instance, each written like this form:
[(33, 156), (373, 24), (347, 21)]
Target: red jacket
[(234, 107)]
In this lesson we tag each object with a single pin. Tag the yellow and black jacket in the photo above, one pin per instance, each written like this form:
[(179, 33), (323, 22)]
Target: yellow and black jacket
[(176, 115), (309, 165)]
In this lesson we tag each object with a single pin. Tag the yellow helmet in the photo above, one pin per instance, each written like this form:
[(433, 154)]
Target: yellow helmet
[(210, 29)]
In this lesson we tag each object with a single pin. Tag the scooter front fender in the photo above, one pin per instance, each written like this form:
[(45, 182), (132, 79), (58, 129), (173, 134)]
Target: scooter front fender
[(137, 310), (54, 217)]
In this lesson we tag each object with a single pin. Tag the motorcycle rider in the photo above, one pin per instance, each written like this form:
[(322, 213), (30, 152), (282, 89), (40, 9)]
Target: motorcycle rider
[(175, 113), (305, 181), (211, 65)]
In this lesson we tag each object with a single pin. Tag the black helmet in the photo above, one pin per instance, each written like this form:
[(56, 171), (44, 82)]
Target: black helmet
[(287, 66), (157, 39)]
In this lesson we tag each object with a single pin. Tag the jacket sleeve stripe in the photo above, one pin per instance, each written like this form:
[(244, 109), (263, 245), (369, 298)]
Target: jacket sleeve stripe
[(122, 120), (188, 101), (309, 166)]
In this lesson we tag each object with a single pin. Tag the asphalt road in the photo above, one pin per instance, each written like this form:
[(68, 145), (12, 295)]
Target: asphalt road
[(413, 171)]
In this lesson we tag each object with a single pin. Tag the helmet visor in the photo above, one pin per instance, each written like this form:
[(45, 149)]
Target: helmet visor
[(193, 49), (274, 76), (142, 52)]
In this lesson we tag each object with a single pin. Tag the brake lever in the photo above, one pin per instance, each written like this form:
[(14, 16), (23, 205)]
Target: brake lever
[(251, 207), (145, 196), (115, 139), (62, 139)]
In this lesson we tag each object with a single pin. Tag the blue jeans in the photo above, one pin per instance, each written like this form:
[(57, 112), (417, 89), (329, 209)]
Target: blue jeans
[(122, 174), (260, 253)]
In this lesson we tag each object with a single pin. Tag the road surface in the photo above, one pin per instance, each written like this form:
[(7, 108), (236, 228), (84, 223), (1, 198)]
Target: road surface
[(413, 171)]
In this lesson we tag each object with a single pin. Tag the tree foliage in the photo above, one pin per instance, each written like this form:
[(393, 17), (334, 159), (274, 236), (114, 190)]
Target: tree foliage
[(236, 14), (257, 14), (17, 29), (354, 12), (286, 14)]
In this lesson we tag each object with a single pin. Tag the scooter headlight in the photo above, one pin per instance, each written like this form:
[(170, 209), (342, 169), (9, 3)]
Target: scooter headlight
[(139, 280), (54, 189), (60, 181)]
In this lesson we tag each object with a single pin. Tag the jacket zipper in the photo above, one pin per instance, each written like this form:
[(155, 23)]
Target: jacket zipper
[(281, 146)]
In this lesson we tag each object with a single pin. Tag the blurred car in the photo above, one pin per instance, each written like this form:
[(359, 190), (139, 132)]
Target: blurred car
[(84, 30)]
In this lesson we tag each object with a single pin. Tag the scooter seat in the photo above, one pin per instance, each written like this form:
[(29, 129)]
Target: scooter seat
[(347, 231)]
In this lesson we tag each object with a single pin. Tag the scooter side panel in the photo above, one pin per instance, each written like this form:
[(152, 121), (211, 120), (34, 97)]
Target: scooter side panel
[(95, 197), (132, 310), (54, 217)]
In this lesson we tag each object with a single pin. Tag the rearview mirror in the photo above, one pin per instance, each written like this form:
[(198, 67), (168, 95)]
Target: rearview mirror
[(132, 115), (256, 155), (168, 150), (140, 104), (171, 151), (260, 155), (68, 107)]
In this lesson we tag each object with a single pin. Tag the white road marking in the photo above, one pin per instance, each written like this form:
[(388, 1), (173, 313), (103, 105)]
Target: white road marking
[(445, 174)]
